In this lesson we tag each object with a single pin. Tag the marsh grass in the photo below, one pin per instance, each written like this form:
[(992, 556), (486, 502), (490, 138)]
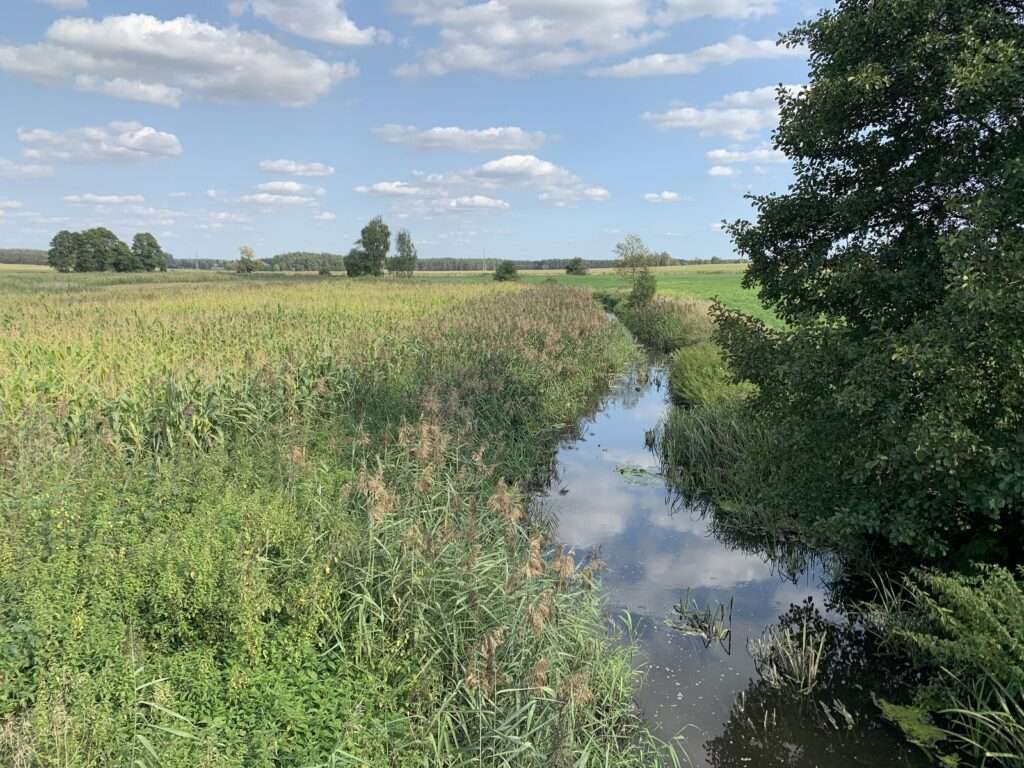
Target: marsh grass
[(790, 657), (300, 509)]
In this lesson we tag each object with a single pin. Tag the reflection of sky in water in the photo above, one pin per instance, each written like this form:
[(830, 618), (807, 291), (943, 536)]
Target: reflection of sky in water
[(654, 556)]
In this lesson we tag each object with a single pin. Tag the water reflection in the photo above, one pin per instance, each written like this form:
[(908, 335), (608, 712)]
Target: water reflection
[(606, 494)]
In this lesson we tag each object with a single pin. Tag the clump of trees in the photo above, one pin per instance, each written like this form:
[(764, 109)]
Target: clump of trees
[(370, 254), (247, 262), (404, 263), (506, 271), (576, 267), (100, 250)]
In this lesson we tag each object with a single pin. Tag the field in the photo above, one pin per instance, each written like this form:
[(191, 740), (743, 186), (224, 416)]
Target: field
[(253, 521)]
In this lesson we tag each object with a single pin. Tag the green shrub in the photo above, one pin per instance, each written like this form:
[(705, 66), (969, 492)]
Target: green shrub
[(576, 266), (644, 287), (506, 271)]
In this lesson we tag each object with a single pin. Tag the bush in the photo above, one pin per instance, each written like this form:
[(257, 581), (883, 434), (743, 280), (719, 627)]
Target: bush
[(644, 287), (576, 267), (506, 271)]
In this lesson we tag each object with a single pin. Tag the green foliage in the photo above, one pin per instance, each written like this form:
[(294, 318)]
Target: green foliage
[(63, 250), (357, 263), (506, 271), (405, 262), (304, 261), (894, 395), (374, 243), (147, 253), (99, 249), (665, 325), (23, 256), (645, 285), (699, 376), (576, 266), (246, 263)]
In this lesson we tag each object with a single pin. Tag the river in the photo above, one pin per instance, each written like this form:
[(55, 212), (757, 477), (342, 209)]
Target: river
[(606, 495)]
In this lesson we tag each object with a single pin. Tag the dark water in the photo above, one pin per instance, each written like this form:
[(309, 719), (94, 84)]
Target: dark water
[(607, 495)]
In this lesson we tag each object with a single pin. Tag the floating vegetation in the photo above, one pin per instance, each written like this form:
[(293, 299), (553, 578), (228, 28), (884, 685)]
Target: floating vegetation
[(637, 474), (709, 624)]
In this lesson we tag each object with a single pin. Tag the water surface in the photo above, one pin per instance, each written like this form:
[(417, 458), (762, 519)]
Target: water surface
[(606, 494)]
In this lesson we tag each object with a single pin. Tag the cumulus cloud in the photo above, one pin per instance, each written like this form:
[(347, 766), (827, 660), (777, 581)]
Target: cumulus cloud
[(282, 187), (325, 216), (324, 20), (505, 139), (271, 199), (663, 197), (736, 48), (66, 5), (129, 141), (763, 154), (477, 201), (10, 205), (737, 116), (686, 10), (722, 170), (513, 36), (90, 198), (293, 168), (143, 58), (12, 170), (390, 189), (557, 185)]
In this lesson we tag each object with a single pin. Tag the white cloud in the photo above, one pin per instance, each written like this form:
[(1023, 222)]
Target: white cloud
[(763, 154), (143, 58), (10, 205), (325, 216), (390, 189), (178, 194), (738, 115), (267, 198), (663, 197), (736, 48), (117, 141), (323, 20), (477, 201), (93, 199), (66, 5), (524, 167), (599, 194), (722, 170), (293, 168), (282, 187), (558, 185), (685, 10), (504, 139), (12, 170), (510, 36)]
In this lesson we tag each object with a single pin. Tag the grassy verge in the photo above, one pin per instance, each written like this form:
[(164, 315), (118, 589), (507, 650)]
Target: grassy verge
[(244, 530)]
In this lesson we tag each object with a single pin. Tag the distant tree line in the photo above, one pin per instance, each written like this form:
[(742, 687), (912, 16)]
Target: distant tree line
[(100, 250), (22, 256), (306, 261)]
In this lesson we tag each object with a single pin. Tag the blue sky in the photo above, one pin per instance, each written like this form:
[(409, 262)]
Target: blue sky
[(511, 128)]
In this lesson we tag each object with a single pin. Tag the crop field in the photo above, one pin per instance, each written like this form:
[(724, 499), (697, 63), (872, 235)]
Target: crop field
[(281, 521)]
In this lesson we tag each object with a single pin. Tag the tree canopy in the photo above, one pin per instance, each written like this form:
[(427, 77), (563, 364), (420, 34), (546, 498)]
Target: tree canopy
[(894, 394)]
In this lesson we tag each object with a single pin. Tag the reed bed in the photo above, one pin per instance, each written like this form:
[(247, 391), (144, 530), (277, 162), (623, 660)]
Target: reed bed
[(258, 522)]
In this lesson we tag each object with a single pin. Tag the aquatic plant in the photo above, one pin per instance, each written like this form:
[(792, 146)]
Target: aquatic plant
[(709, 623), (789, 657)]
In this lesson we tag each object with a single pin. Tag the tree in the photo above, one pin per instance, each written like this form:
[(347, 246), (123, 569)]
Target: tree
[(893, 397), (63, 251), (405, 262), (632, 256), (644, 288), (148, 253), (576, 267), (506, 271), (357, 263), (99, 249), (246, 263), (375, 241)]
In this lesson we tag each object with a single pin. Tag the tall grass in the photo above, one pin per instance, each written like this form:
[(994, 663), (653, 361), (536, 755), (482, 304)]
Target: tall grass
[(297, 509)]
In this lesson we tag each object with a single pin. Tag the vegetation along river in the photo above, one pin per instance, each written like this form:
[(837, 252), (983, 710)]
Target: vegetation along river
[(607, 496)]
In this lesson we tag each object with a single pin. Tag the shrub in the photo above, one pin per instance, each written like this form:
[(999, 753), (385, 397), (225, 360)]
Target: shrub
[(644, 287), (576, 267), (506, 271)]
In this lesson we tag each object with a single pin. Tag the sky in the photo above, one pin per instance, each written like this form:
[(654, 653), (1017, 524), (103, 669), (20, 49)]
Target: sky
[(513, 129)]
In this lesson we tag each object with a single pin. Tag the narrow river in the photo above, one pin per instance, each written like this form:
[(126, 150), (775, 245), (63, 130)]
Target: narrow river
[(606, 494)]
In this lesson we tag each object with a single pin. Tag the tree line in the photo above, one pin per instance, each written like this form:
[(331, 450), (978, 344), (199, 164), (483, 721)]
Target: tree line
[(100, 250)]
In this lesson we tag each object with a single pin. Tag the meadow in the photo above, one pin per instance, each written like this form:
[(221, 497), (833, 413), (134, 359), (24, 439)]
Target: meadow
[(254, 521)]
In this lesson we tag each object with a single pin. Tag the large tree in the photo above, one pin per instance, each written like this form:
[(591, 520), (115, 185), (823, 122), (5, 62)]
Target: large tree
[(147, 253), (63, 251), (895, 395), (375, 242), (404, 263), (100, 249)]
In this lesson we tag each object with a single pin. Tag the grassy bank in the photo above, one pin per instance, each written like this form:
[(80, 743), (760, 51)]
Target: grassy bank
[(250, 522)]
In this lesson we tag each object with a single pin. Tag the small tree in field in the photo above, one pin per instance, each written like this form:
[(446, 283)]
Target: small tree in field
[(246, 263), (405, 262), (576, 267), (357, 263), (506, 271), (644, 287), (633, 256), (375, 242)]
